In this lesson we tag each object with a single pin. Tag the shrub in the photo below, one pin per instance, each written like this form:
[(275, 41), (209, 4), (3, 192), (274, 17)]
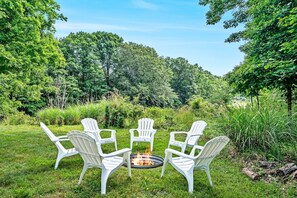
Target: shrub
[(163, 117), (71, 115), (50, 116), (202, 108), (183, 119), (266, 129), (19, 118), (120, 113)]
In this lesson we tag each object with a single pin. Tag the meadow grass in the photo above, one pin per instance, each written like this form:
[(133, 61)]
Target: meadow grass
[(28, 158)]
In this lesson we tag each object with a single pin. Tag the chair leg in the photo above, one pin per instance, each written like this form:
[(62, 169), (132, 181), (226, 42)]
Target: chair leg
[(116, 145), (164, 164), (82, 173), (104, 177), (59, 157), (151, 145), (129, 164), (189, 177), (208, 175), (131, 144), (183, 148)]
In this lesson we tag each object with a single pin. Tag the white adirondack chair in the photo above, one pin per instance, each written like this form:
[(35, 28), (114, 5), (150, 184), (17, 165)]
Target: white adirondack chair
[(89, 149), (186, 164), (62, 152), (91, 125), (192, 136), (145, 131)]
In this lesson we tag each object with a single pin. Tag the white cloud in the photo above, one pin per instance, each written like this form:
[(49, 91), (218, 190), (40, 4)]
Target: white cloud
[(143, 27), (145, 5), (91, 27)]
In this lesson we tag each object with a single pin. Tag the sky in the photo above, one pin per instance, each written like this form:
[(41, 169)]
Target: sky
[(174, 28)]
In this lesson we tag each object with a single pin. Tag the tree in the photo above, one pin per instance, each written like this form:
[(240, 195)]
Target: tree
[(107, 44), (184, 78), (27, 48), (270, 35), (84, 66), (140, 74)]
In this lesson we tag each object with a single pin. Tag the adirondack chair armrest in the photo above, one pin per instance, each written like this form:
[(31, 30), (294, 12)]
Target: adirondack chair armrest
[(195, 148), (154, 131), (113, 132), (132, 132), (61, 138), (173, 133), (116, 153), (191, 135), (167, 151), (109, 130)]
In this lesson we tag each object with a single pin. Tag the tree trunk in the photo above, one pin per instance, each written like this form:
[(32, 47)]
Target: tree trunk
[(252, 101), (289, 99)]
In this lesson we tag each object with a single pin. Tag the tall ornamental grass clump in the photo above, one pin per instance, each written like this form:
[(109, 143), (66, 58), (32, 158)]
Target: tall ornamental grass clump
[(51, 116), (115, 111), (72, 115), (93, 110), (267, 128)]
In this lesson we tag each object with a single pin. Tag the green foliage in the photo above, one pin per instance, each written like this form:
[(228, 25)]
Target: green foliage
[(270, 33), (201, 108), (50, 116), (140, 73), (93, 110), (115, 112), (121, 113), (27, 48), (89, 59), (183, 119), (267, 129), (19, 118), (72, 115), (163, 117)]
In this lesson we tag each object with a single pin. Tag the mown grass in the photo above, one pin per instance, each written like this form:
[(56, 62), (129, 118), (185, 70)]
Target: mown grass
[(27, 170)]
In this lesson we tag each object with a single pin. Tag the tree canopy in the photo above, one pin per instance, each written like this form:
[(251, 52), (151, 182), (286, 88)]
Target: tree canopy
[(270, 47), (28, 49)]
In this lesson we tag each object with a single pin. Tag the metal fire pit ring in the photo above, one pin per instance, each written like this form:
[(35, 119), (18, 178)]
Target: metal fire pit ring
[(158, 161)]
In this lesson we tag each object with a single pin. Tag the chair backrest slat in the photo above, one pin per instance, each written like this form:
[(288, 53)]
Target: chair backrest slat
[(196, 129), (90, 124), (145, 126), (87, 147), (211, 149)]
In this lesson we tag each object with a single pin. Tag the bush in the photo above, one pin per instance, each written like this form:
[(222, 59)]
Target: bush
[(50, 116), (19, 118), (202, 108), (183, 119), (266, 129), (120, 113), (95, 111), (163, 117), (71, 115)]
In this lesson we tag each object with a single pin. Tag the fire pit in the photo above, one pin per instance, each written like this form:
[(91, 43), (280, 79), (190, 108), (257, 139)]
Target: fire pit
[(146, 160), (142, 161)]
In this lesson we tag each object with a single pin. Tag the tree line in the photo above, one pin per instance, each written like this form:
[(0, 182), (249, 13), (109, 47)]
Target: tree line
[(38, 70)]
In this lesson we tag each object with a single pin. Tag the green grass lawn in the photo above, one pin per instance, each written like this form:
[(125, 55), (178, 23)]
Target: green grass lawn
[(27, 170)]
